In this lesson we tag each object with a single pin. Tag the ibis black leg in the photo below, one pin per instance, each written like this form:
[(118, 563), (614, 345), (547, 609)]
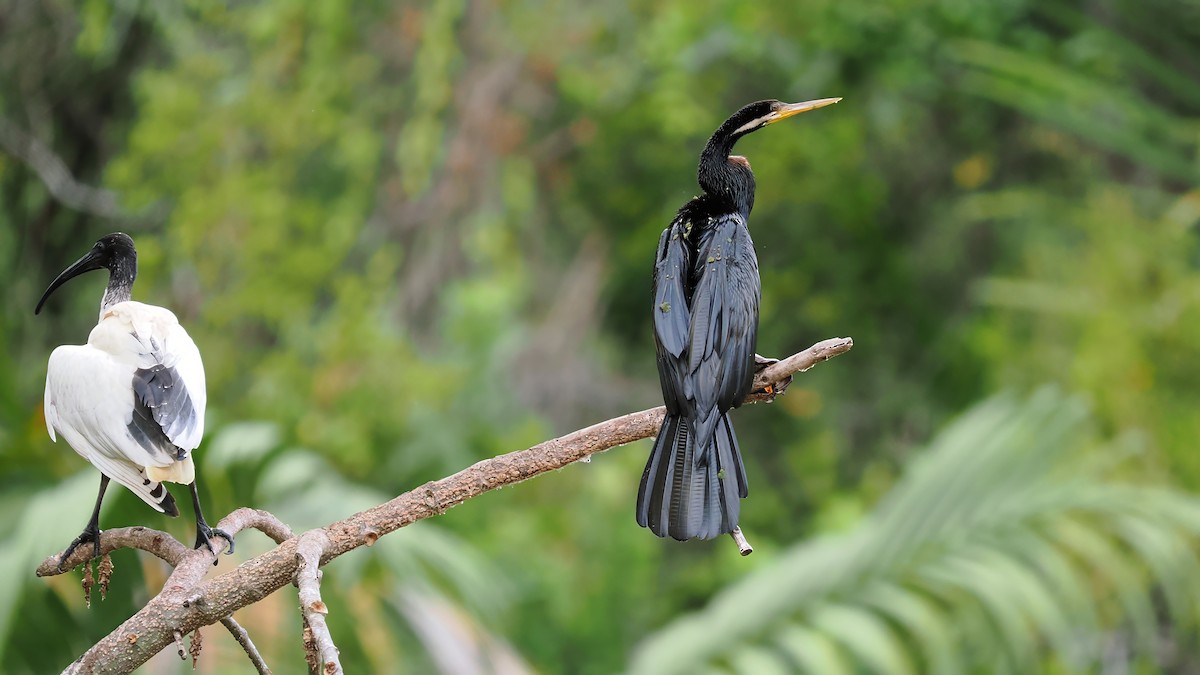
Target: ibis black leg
[(204, 533), (91, 532)]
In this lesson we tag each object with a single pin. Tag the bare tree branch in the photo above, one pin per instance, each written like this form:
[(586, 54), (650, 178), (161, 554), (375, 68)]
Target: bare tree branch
[(188, 602), (309, 549), (159, 543), (55, 175), (265, 522), (243, 639), (802, 362)]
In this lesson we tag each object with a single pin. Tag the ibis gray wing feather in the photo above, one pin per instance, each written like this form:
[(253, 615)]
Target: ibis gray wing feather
[(162, 410), (168, 379)]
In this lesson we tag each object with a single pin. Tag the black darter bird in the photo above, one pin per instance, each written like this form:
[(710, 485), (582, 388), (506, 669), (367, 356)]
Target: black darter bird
[(706, 294)]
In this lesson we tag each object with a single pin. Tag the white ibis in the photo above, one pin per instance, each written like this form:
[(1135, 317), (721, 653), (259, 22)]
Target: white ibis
[(130, 401)]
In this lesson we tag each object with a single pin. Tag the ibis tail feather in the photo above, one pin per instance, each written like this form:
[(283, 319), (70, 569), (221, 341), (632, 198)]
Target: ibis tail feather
[(168, 503), (182, 472), (137, 479)]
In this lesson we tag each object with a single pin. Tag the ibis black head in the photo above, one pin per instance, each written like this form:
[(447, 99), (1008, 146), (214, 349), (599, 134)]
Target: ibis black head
[(729, 177), (113, 252)]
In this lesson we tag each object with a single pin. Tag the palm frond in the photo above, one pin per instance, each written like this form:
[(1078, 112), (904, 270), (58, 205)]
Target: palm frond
[(1006, 541)]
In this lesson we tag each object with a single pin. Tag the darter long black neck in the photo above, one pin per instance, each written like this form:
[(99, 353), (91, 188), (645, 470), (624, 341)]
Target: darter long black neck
[(726, 179)]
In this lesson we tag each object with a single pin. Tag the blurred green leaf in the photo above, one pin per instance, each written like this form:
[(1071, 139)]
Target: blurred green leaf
[(1033, 454)]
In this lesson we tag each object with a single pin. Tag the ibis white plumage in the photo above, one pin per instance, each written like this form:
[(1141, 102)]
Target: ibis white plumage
[(131, 401)]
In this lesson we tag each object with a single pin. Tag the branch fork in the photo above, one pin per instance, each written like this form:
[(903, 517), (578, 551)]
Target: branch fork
[(320, 651)]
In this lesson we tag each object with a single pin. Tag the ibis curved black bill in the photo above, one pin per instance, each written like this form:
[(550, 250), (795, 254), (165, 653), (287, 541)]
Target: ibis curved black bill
[(91, 261)]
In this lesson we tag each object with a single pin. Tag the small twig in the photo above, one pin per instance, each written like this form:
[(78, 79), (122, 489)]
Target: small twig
[(744, 546), (309, 550), (800, 363), (243, 639), (247, 518), (263, 521)]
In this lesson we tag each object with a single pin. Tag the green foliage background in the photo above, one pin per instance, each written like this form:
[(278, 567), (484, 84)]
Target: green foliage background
[(408, 236)]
